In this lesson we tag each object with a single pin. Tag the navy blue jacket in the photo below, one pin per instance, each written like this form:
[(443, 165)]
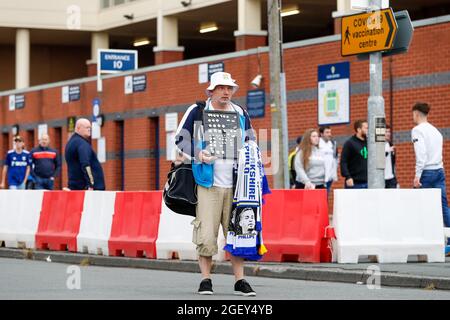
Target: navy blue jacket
[(79, 155), (189, 141), (46, 162)]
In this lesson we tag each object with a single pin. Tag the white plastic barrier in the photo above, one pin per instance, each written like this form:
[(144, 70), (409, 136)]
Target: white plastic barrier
[(447, 232), (19, 217), (175, 236), (391, 224), (96, 222)]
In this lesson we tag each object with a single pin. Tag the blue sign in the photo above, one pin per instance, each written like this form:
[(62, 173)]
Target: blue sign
[(215, 67), (112, 61), (334, 71), (139, 83), (95, 108), (74, 93), (333, 93), (256, 102), (20, 101)]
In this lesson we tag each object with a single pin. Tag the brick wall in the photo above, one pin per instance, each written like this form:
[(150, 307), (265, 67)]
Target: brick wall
[(421, 74)]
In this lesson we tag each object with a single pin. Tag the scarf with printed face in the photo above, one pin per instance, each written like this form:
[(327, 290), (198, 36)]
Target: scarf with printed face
[(244, 238)]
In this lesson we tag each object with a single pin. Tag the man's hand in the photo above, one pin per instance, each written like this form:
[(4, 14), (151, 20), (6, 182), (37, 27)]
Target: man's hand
[(2, 186), (310, 186), (349, 182), (417, 183), (205, 156)]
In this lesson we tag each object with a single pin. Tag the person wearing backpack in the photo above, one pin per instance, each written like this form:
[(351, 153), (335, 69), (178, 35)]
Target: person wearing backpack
[(214, 177)]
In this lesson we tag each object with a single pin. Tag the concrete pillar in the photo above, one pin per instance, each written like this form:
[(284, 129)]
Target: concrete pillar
[(249, 33), (167, 49), (22, 58), (343, 9), (99, 40)]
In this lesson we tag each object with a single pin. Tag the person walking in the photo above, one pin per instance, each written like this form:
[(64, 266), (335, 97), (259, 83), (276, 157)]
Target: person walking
[(309, 163), (429, 169), (84, 170), (46, 164), (328, 148), (354, 157), (214, 178), (17, 166)]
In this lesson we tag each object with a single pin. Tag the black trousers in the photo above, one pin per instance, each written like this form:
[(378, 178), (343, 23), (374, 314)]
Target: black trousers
[(299, 185), (391, 183)]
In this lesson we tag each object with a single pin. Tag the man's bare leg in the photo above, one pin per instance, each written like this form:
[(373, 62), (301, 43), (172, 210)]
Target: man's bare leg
[(238, 267), (205, 264)]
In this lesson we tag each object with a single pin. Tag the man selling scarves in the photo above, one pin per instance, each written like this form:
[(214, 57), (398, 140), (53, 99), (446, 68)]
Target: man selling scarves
[(206, 127)]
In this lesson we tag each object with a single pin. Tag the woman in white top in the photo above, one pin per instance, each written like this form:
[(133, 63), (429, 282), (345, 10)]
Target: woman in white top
[(309, 163)]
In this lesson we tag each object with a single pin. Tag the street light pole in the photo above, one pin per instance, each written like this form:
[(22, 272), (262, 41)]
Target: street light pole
[(278, 101), (376, 118)]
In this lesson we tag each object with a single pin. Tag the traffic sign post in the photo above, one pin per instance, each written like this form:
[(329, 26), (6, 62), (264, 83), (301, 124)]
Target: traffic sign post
[(372, 33), (368, 32), (383, 23), (375, 34)]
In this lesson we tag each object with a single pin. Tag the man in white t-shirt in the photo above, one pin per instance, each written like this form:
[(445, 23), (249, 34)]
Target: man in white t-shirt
[(214, 178), (328, 148), (428, 143)]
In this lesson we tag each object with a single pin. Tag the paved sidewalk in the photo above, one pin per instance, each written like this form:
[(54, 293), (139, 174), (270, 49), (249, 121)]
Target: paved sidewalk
[(411, 275)]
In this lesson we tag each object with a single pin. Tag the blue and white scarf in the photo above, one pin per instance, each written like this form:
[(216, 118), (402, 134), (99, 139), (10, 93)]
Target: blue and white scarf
[(244, 238)]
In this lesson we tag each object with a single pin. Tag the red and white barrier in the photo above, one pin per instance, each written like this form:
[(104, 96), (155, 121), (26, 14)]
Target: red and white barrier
[(19, 217), (294, 226), (96, 221), (175, 237), (391, 224)]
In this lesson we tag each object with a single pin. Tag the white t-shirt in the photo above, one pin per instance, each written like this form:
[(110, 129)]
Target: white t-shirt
[(427, 142), (328, 153), (223, 168)]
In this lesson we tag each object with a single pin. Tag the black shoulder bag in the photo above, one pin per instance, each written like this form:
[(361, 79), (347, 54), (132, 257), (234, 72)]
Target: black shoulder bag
[(180, 191)]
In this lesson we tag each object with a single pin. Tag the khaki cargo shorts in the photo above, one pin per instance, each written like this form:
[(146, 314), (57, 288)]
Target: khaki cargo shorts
[(213, 209)]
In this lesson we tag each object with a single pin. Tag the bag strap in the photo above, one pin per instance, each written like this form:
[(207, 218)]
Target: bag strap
[(201, 106)]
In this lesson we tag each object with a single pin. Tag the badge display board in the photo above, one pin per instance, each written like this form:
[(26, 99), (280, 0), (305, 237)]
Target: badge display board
[(222, 133)]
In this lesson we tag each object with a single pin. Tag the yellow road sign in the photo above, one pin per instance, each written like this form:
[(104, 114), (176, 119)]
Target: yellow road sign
[(368, 32)]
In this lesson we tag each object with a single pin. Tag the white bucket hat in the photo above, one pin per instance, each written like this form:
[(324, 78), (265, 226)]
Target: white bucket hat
[(222, 79)]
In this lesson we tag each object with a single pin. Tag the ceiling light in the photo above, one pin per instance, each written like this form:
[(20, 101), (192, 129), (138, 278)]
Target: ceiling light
[(208, 27), (290, 11), (141, 42)]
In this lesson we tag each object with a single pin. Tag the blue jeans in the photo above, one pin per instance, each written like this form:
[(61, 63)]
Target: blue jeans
[(436, 179), (43, 183), (329, 183), (19, 187), (356, 186)]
